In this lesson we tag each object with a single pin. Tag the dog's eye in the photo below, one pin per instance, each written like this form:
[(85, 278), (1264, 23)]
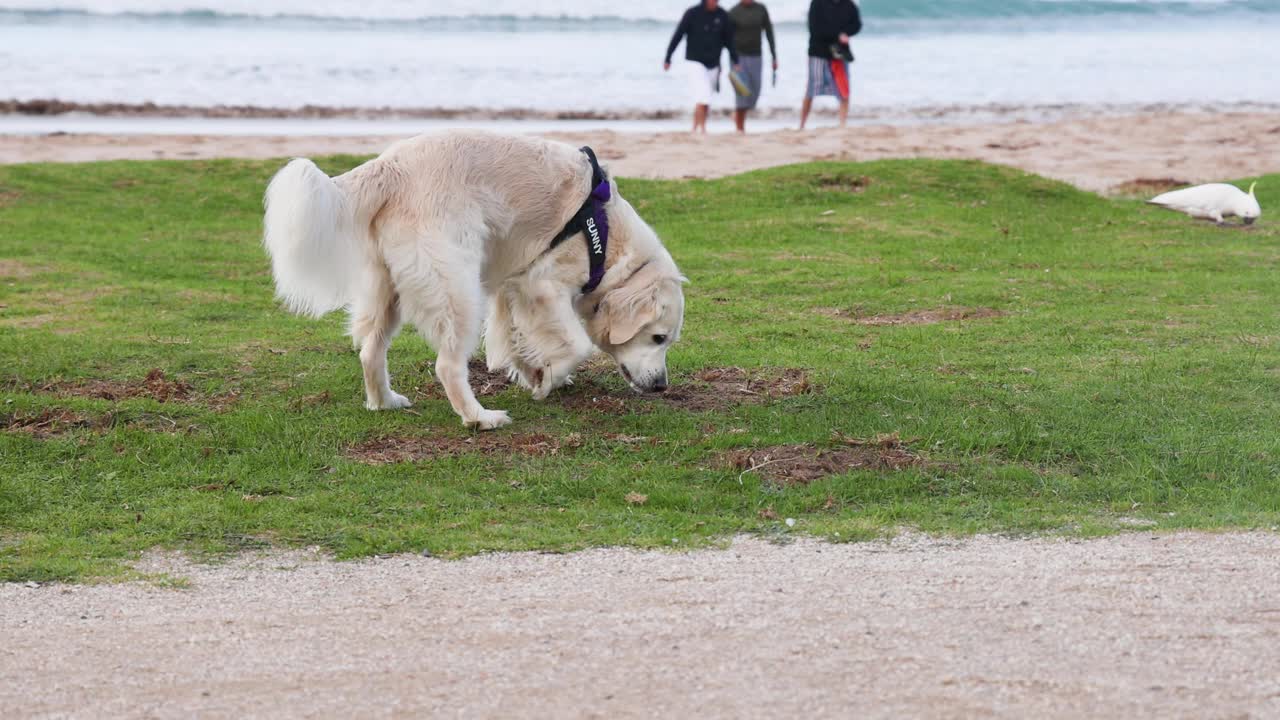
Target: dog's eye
[(659, 339)]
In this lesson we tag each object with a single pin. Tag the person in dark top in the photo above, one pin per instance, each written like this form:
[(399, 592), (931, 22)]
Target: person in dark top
[(831, 24), (706, 30), (750, 19)]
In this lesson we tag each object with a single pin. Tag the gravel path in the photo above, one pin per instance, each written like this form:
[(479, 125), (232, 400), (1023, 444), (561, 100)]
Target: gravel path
[(1139, 625)]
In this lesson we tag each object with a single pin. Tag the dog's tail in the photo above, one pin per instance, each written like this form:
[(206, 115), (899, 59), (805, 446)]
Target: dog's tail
[(316, 237)]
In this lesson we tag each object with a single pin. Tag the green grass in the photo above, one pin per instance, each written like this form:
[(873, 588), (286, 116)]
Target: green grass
[(1135, 373)]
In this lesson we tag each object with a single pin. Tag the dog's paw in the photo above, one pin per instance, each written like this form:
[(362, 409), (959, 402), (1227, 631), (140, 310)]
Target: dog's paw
[(489, 420), (545, 382), (394, 401)]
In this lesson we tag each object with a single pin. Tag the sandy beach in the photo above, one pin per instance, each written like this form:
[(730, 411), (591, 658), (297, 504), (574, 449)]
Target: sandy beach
[(1096, 153)]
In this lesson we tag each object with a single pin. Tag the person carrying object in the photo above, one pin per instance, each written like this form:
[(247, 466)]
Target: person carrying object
[(831, 24), (750, 19), (707, 31)]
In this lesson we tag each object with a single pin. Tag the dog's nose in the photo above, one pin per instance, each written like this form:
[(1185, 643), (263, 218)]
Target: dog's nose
[(659, 385)]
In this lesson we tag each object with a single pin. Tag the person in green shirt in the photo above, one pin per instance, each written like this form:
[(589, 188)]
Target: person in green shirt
[(750, 18)]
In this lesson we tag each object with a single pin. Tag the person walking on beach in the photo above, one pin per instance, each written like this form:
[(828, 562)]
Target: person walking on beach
[(707, 30), (750, 18), (831, 24)]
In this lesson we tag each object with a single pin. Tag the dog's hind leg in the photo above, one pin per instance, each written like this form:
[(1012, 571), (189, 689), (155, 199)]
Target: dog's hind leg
[(375, 320)]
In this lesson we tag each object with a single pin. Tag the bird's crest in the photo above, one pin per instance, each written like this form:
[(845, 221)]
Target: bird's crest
[(1251, 187)]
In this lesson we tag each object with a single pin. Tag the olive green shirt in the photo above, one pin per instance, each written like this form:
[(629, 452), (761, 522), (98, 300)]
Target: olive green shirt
[(748, 21)]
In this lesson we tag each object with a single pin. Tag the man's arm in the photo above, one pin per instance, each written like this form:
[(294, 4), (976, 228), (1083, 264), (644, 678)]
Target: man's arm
[(768, 33), (854, 25), (727, 37), (681, 29)]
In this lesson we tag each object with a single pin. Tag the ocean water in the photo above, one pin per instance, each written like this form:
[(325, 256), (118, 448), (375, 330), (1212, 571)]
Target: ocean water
[(586, 56)]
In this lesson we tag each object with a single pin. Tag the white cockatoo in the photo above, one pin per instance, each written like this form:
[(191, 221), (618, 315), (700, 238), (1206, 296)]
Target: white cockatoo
[(1214, 201)]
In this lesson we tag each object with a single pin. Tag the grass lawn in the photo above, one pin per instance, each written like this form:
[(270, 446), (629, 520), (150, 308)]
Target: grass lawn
[(949, 346)]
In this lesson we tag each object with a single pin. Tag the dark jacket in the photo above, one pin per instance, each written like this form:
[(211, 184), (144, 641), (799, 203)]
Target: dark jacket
[(827, 19), (706, 33)]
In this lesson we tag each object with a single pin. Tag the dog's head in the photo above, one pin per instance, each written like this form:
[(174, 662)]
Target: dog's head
[(638, 321)]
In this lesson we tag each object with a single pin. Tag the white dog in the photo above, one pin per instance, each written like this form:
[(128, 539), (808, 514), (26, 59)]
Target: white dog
[(440, 229)]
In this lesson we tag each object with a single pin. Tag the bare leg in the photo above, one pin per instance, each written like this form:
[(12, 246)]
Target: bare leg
[(740, 120), (700, 119), (375, 320), (844, 112), (805, 107)]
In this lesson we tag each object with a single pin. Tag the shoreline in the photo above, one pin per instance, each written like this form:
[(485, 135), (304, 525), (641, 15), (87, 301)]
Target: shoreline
[(57, 108), (1094, 152)]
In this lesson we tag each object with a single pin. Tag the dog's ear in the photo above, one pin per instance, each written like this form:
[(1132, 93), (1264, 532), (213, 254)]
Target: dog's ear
[(625, 310), (624, 326)]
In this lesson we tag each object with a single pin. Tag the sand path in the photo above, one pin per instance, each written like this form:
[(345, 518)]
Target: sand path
[(1095, 153), (1141, 625)]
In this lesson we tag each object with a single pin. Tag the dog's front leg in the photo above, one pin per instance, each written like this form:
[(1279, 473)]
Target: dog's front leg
[(574, 347), (504, 347), (552, 340)]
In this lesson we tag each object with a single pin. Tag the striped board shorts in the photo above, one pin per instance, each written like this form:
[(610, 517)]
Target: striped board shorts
[(821, 81)]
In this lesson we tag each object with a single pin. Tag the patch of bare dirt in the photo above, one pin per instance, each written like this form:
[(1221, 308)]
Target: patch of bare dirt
[(12, 269), (843, 182), (54, 422), (156, 386), (1148, 187), (46, 423), (483, 382), (397, 449), (918, 317), (8, 198), (801, 464), (707, 389)]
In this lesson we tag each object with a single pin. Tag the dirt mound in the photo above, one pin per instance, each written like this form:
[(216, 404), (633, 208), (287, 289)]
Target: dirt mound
[(800, 464), (920, 317), (1148, 187), (46, 423), (397, 449)]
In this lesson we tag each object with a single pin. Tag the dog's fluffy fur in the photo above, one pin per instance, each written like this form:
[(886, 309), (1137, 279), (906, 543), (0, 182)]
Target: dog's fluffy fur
[(440, 230)]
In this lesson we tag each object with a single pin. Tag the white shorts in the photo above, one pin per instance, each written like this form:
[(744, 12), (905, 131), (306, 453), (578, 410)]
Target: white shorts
[(703, 81)]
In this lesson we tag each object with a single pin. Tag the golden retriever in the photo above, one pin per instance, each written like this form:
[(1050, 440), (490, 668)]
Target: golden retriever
[(444, 230)]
